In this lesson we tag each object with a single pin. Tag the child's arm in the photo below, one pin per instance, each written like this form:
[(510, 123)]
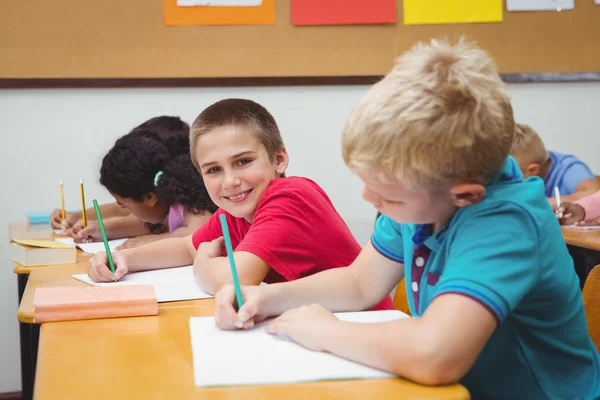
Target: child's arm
[(168, 253), (591, 206), (438, 348), (212, 271), (584, 188), (360, 286)]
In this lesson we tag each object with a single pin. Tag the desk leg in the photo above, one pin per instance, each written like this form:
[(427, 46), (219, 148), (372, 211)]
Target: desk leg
[(26, 357), (22, 283), (29, 336)]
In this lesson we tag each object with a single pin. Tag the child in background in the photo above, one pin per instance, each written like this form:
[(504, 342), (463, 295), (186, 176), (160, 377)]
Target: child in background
[(281, 228), (571, 175), (171, 131), (142, 176), (487, 271)]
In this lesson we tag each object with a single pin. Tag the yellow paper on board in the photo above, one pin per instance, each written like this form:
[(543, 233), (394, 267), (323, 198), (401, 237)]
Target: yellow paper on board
[(418, 12)]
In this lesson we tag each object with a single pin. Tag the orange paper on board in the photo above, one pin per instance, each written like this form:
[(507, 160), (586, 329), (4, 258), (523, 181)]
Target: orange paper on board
[(211, 15)]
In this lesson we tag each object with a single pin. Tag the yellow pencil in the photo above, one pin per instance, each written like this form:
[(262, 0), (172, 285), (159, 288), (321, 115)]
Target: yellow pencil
[(83, 214), (62, 200)]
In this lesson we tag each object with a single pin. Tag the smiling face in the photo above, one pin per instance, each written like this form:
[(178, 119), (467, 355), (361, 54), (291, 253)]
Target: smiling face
[(236, 168)]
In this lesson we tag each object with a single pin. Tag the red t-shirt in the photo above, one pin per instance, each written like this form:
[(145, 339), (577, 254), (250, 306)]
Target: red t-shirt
[(296, 230)]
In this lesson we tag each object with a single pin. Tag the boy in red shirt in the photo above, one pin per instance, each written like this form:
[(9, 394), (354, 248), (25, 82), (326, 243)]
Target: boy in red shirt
[(281, 228)]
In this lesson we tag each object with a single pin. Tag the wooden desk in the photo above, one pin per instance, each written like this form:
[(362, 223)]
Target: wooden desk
[(55, 276), (151, 358), (29, 333), (587, 239)]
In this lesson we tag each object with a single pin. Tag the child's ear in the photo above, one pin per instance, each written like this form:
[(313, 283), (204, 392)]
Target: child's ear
[(533, 170), (281, 161), (466, 194), (150, 199)]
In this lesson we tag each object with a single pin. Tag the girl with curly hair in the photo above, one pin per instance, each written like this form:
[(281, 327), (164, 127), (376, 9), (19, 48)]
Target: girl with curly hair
[(160, 190)]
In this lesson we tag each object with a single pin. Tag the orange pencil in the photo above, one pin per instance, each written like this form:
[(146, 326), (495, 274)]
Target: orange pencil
[(62, 200), (83, 213)]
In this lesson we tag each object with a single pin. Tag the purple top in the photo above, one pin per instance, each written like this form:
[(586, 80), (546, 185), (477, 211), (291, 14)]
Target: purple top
[(176, 220)]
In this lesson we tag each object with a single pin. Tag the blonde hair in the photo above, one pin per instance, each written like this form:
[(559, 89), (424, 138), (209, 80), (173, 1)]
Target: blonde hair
[(528, 147), (441, 116), (240, 112)]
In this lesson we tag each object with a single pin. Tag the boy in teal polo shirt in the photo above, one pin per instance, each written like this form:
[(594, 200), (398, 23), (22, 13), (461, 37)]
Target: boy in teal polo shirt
[(487, 272)]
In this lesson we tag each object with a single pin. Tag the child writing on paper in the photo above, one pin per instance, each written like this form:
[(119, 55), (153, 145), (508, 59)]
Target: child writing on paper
[(571, 175), (487, 272), (142, 176), (171, 131), (281, 228), (585, 211)]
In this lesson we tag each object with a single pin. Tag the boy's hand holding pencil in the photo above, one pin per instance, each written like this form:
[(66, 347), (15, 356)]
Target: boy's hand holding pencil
[(227, 315), (569, 214)]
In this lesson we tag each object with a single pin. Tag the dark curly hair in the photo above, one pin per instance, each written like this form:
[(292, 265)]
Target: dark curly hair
[(130, 167), (181, 183), (171, 131)]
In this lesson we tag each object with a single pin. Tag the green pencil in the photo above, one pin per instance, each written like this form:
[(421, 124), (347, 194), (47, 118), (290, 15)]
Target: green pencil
[(236, 282), (111, 264)]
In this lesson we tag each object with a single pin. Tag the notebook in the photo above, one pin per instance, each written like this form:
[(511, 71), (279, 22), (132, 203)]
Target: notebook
[(171, 284), (254, 357), (32, 253), (92, 248), (76, 303)]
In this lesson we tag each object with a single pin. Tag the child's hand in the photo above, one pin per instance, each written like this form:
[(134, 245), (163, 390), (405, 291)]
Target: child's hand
[(89, 234), (99, 271), (138, 241), (211, 249), (251, 312), (569, 213), (58, 223), (304, 325)]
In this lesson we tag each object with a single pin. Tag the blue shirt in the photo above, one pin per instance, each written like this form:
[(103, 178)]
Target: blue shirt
[(566, 172), (507, 253)]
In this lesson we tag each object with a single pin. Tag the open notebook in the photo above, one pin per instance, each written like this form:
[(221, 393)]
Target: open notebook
[(92, 248), (255, 357), (172, 284)]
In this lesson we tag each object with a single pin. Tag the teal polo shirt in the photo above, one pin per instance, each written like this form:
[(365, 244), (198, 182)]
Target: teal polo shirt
[(507, 253)]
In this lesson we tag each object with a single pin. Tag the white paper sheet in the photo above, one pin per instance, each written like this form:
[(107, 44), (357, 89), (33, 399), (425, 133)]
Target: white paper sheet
[(582, 228), (227, 3), (254, 357), (539, 5), (92, 248), (171, 284)]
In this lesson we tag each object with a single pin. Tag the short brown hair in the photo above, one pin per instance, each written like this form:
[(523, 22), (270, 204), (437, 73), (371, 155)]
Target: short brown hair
[(238, 112), (442, 115), (528, 147)]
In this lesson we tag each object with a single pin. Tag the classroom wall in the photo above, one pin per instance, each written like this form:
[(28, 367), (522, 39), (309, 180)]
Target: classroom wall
[(48, 135)]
